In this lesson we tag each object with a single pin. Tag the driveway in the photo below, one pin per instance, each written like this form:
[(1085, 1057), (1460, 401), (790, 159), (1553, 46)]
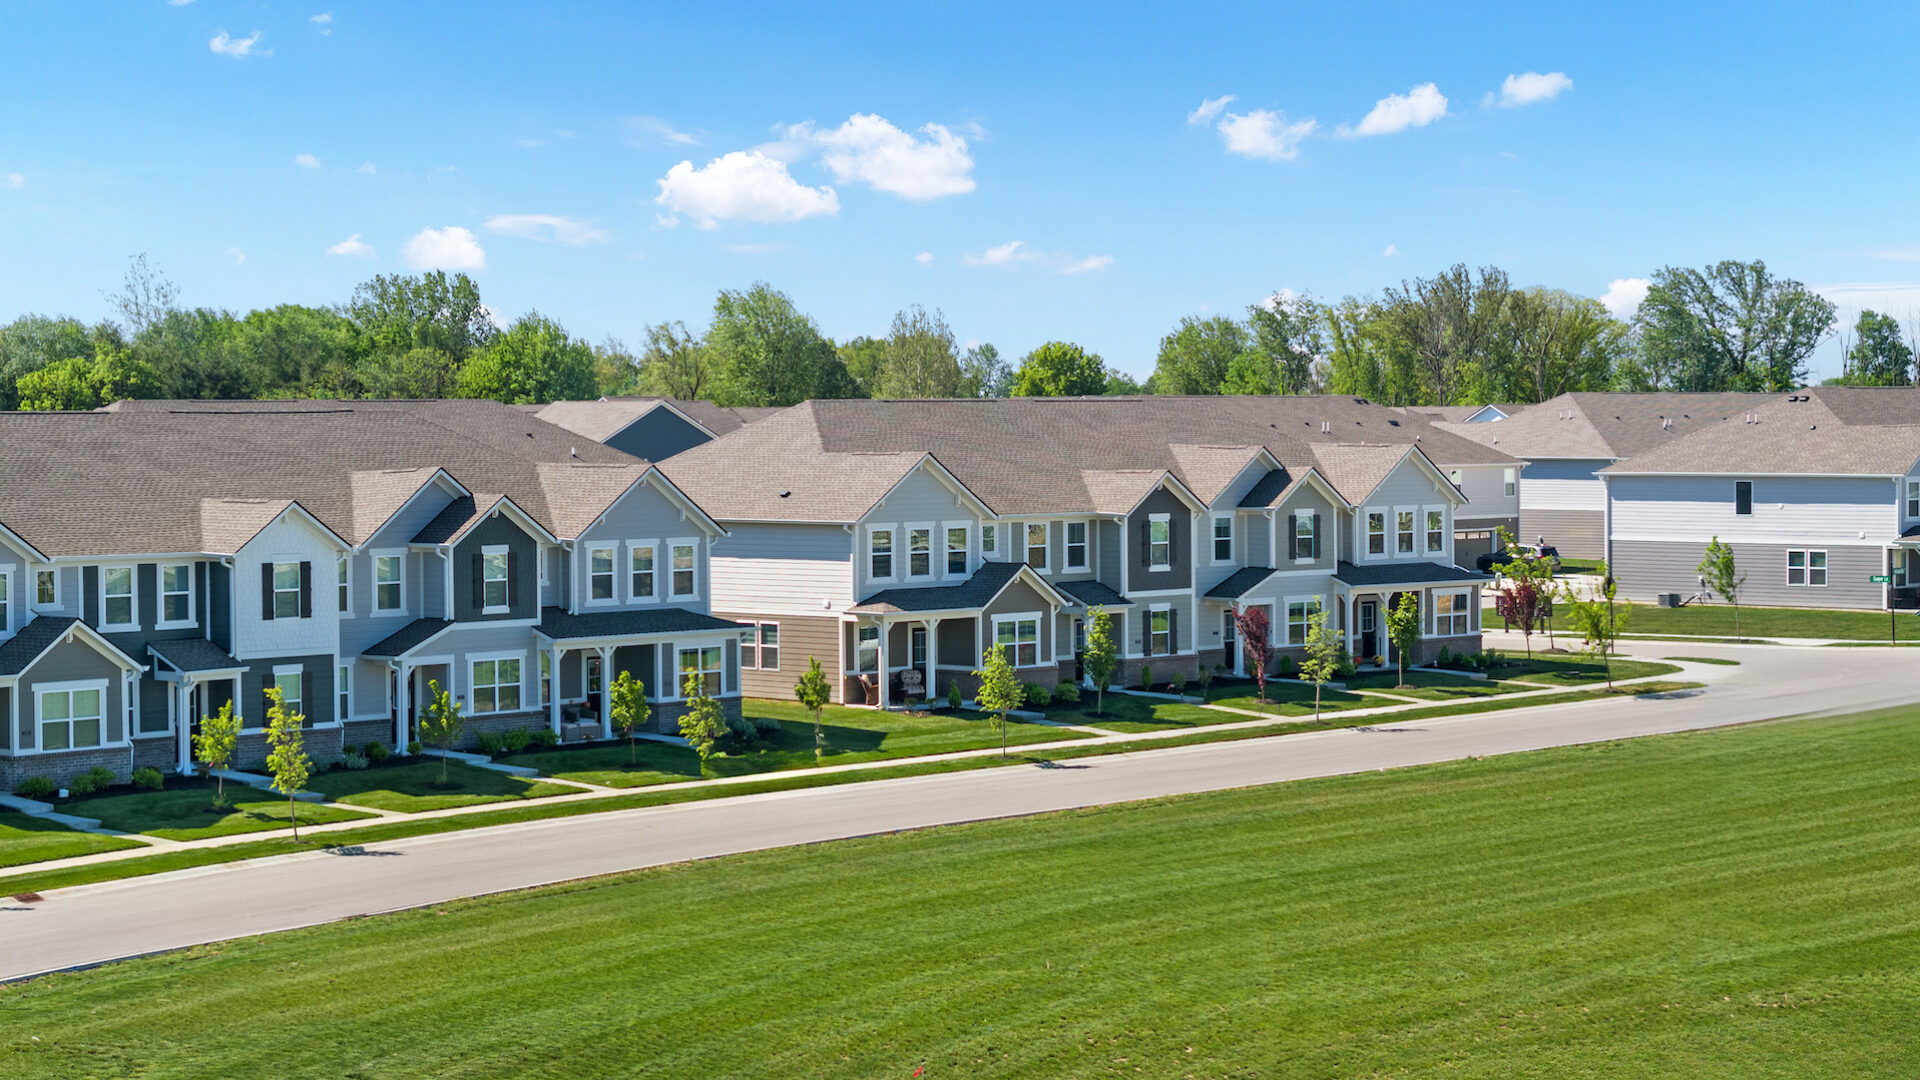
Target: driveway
[(94, 923)]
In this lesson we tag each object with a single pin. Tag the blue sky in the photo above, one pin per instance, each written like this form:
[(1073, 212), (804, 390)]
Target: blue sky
[(263, 152)]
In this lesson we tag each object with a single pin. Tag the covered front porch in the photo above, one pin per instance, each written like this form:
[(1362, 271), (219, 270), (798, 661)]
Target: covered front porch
[(200, 677), (1903, 572), (1449, 601), (915, 644), (583, 656)]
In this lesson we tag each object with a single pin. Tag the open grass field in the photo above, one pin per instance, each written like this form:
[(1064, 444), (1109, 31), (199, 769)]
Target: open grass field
[(1560, 670), (1427, 686), (25, 839), (180, 813), (852, 735), (1716, 620), (1735, 904), (412, 788)]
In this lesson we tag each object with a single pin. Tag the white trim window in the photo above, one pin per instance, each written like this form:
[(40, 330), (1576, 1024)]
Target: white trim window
[(1159, 630), (682, 558), (1019, 636), (6, 601), (496, 591), (343, 570), (1222, 538), (1076, 545), (1510, 481), (1376, 533), (496, 683), (176, 595), (1436, 531), (120, 611), (760, 647), (1304, 540), (1229, 627), (1403, 530), (290, 680), (545, 682), (1913, 498), (641, 580), (1300, 612), (866, 649), (920, 551), (286, 590), (389, 583), (990, 538), (46, 589), (1806, 568), (1038, 542), (1450, 614), (1159, 542), (600, 586), (343, 688), (704, 662), (71, 715), (959, 546), (880, 552)]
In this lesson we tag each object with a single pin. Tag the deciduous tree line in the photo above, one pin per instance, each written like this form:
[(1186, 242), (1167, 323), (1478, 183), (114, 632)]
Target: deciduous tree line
[(1460, 337)]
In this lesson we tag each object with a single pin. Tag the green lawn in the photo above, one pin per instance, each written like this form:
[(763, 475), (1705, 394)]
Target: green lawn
[(25, 839), (180, 813), (412, 788), (1706, 660), (852, 735), (1428, 686), (1132, 714), (1734, 904), (1573, 670), (1716, 620)]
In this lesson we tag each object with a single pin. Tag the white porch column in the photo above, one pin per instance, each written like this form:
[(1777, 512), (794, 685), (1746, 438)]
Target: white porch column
[(933, 654), (184, 719), (885, 676), (402, 700), (553, 690), (606, 691)]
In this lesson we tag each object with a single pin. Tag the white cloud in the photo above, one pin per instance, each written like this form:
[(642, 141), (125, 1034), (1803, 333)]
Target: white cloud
[(925, 258), (1264, 134), (1905, 254), (1525, 89), (1017, 253), (756, 249), (1210, 108), (324, 21), (367, 167), (1418, 107), (13, 180), (1391, 252), (306, 161), (178, 3), (1623, 296), (352, 246), (451, 248), (869, 149), (1285, 298), (238, 48), (239, 257), (547, 227), (654, 128), (744, 185), (1900, 299)]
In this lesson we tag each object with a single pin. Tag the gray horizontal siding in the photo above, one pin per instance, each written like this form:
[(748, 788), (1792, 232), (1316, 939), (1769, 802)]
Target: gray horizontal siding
[(1645, 568), (1578, 534)]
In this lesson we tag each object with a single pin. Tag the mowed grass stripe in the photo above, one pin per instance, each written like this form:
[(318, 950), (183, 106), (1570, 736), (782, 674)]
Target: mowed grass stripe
[(1739, 903)]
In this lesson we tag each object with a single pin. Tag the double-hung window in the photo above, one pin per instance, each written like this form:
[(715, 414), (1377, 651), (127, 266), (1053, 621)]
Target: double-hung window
[(1436, 531), (1300, 615), (1303, 537), (545, 682), (1743, 497), (1376, 532), (1450, 614), (290, 680), (1403, 532), (343, 687), (680, 560), (1019, 637), (1807, 568), (389, 583), (286, 590), (1913, 498), (640, 568), (760, 647), (880, 554), (1159, 632), (6, 603), (990, 538), (496, 684), (866, 649), (1037, 545), (919, 551), (1222, 538), (342, 568), (46, 588), (116, 596), (702, 664), (494, 586), (1076, 545), (1160, 542), (956, 550), (71, 715), (1509, 482), (176, 594), (917, 646), (600, 574)]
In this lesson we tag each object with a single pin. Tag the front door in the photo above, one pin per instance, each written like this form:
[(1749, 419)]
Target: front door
[(1079, 646), (1369, 633)]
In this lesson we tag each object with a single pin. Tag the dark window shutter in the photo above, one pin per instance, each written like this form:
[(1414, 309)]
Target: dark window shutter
[(306, 590), (1146, 542), (306, 693), (1293, 537), (1316, 535), (1173, 557), (266, 590), (1173, 631), (266, 701), (479, 580), (513, 578)]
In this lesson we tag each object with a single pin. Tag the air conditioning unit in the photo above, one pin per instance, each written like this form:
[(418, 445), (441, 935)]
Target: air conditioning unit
[(1670, 599)]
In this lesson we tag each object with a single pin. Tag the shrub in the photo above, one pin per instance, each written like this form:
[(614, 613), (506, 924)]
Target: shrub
[(1177, 682), (1344, 669), (1146, 674), (490, 743), (35, 787), (1037, 696), (1444, 659), (516, 740), (1066, 694), (764, 725), (413, 747), (545, 737), (1206, 679), (148, 779), (954, 698), (94, 779), (348, 748), (1285, 667), (377, 752), (353, 760)]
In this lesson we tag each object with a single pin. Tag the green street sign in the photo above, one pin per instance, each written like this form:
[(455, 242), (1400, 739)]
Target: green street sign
[(1881, 579)]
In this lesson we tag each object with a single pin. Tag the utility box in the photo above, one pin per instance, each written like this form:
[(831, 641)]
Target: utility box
[(1669, 599)]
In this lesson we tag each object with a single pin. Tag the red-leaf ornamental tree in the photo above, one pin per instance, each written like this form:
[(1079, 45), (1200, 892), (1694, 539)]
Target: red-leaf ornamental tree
[(1251, 626), (1524, 605)]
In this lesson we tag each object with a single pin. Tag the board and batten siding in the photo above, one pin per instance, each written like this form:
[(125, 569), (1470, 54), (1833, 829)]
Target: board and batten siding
[(762, 570)]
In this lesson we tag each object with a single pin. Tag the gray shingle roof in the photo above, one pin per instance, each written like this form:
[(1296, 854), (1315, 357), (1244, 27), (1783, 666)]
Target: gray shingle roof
[(193, 654), (1835, 431), (1237, 583), (603, 419), (1605, 425), (1093, 594), (407, 638), (1406, 573), (976, 592), (33, 639), (558, 625)]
